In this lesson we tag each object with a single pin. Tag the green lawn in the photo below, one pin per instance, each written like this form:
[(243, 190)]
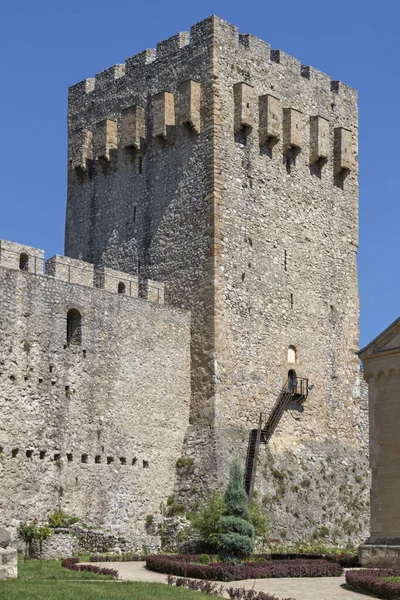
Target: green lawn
[(52, 582), (394, 579)]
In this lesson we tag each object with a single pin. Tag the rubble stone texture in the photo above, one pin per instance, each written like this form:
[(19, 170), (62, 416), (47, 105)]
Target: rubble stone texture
[(189, 165)]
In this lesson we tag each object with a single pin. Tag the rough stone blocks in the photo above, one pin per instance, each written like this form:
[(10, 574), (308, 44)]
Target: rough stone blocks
[(292, 129), (133, 127), (379, 556), (163, 115), (189, 105), (105, 139), (319, 139), (8, 563), (244, 106), (270, 115)]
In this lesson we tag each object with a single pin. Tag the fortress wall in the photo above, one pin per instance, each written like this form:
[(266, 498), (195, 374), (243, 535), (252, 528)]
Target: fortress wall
[(95, 428), (228, 171), (289, 228), (138, 178)]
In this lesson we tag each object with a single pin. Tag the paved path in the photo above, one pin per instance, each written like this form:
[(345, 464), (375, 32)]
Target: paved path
[(302, 588)]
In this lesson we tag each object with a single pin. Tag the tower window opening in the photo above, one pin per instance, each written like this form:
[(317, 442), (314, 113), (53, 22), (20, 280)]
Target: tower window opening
[(74, 327), (121, 288), (291, 300), (23, 262), (134, 213), (291, 354), (140, 165), (285, 259)]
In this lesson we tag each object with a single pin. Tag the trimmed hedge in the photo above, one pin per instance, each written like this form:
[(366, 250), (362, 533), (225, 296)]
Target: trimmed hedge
[(176, 565), (345, 560), (213, 589), (126, 557), (369, 581), (73, 565)]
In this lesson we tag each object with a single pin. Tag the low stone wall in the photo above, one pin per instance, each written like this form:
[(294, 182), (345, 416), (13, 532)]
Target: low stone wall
[(67, 542), (8, 563), (379, 556)]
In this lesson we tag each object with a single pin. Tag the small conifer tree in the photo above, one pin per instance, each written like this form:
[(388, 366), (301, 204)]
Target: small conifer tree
[(236, 538)]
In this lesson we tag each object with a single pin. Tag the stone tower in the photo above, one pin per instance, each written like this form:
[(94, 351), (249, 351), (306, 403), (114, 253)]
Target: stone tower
[(228, 171)]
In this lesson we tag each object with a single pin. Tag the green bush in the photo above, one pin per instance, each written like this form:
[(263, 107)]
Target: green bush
[(206, 520), (204, 559), (61, 519), (236, 537)]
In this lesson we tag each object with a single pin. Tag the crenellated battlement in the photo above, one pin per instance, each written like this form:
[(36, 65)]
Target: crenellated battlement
[(63, 268), (128, 105), (211, 28)]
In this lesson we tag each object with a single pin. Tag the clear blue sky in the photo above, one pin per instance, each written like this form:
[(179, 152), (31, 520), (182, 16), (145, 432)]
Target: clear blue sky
[(47, 45)]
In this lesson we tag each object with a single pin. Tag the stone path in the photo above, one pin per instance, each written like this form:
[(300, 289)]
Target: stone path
[(303, 588)]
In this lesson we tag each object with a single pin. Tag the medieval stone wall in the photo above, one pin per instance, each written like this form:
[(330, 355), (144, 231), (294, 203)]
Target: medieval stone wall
[(228, 171), (92, 425), (288, 275)]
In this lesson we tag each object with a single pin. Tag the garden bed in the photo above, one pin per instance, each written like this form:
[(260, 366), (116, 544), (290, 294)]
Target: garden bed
[(185, 566), (73, 565), (375, 582)]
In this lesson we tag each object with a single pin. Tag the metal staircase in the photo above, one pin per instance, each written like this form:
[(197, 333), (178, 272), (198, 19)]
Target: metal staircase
[(293, 390)]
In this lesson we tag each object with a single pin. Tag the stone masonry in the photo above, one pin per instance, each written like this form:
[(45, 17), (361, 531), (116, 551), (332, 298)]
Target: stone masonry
[(227, 171), (92, 425)]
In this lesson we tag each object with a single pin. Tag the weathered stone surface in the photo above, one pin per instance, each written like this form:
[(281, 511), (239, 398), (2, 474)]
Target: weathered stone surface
[(94, 425), (8, 563), (5, 538), (256, 243), (379, 556)]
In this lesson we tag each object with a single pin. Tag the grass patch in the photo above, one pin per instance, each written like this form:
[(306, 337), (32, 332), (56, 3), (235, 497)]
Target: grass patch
[(53, 582), (394, 579)]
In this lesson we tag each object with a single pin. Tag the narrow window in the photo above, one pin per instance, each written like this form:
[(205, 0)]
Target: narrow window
[(123, 460), (84, 458), (70, 457), (291, 300), (23, 261), (140, 165), (291, 354), (14, 452), (97, 459), (74, 327), (29, 453), (285, 259), (42, 454), (121, 288), (134, 214)]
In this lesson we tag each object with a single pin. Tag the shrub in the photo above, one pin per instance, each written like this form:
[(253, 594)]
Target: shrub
[(61, 519), (207, 587), (369, 581), (236, 538), (181, 567), (206, 520), (73, 565), (204, 559), (125, 557), (29, 532), (259, 518)]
